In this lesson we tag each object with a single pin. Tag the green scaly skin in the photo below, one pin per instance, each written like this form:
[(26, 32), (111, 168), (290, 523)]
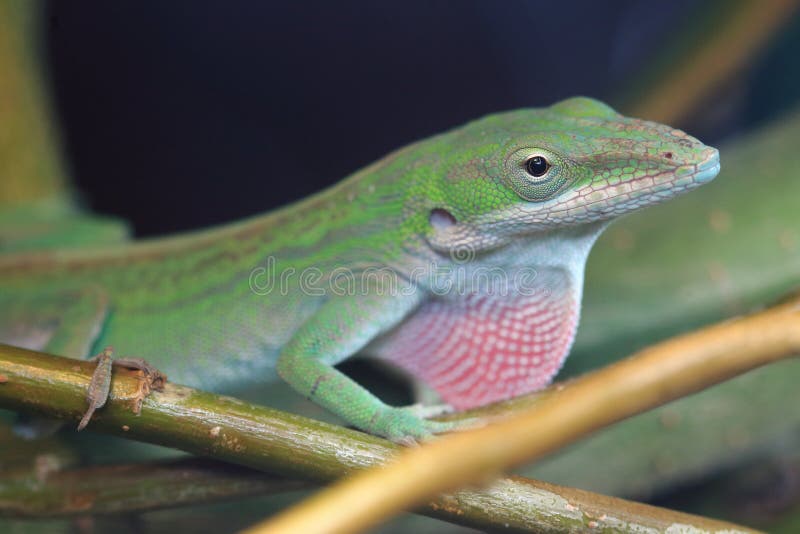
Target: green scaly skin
[(301, 289)]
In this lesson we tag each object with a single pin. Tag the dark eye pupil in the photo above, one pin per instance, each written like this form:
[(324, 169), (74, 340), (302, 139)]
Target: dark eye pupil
[(537, 166)]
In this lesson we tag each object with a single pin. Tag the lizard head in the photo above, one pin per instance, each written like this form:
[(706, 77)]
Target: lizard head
[(574, 164)]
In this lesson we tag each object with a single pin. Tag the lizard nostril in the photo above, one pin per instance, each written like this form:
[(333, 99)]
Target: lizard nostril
[(668, 155)]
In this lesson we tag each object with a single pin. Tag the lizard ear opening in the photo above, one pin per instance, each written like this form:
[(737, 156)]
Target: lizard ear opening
[(441, 219), (449, 236)]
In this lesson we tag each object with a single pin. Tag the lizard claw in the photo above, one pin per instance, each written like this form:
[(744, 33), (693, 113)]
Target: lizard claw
[(100, 384)]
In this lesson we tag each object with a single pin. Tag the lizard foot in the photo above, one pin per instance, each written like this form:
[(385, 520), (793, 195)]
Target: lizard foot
[(406, 427), (100, 385)]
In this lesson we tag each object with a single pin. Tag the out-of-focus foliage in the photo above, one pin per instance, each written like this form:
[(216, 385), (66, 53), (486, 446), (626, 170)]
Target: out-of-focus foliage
[(725, 249), (30, 162), (38, 211)]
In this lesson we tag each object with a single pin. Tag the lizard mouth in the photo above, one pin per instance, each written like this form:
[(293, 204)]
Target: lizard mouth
[(708, 168), (613, 200), (625, 197), (679, 179), (690, 176), (655, 189)]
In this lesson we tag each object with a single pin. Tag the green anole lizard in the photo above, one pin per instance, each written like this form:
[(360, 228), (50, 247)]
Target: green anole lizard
[(458, 259)]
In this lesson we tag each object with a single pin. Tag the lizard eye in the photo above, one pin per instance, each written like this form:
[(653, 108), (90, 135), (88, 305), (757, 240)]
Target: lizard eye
[(536, 174), (537, 166)]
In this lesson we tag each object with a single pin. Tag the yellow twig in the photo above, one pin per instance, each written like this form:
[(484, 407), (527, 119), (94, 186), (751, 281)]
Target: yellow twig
[(653, 377), (727, 51)]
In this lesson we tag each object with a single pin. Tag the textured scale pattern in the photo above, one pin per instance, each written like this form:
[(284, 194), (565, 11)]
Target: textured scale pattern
[(226, 308), (485, 348)]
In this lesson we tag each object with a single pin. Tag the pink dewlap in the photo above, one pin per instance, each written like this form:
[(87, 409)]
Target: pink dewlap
[(486, 348)]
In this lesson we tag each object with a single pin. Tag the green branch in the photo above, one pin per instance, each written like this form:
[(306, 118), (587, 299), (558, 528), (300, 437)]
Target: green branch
[(132, 488), (285, 444)]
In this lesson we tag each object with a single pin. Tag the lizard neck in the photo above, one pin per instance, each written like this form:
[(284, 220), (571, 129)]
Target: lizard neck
[(484, 341), (560, 248), (526, 263)]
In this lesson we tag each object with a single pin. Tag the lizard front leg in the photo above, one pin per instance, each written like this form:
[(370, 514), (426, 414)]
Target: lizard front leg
[(338, 330)]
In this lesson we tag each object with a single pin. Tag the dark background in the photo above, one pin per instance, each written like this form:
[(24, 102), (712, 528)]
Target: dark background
[(178, 115), (183, 114)]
